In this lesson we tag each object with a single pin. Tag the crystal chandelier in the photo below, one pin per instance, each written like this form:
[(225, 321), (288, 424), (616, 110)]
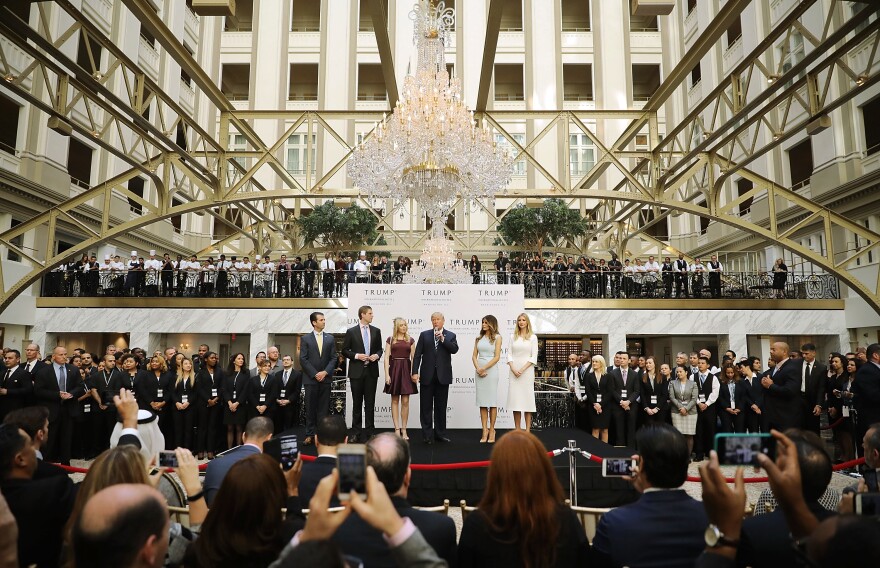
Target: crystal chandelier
[(437, 264), (430, 149)]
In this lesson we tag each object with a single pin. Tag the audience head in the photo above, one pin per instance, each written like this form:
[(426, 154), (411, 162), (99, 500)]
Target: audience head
[(390, 458), (844, 541), (258, 430), (872, 353), (599, 366), (522, 496), (871, 445), (814, 461), (330, 431), (34, 420), (664, 456), (779, 351), (121, 526), (251, 495), (152, 439), (18, 458), (11, 358)]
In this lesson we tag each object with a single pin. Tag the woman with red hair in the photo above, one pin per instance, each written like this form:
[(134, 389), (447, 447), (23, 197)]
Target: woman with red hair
[(522, 520)]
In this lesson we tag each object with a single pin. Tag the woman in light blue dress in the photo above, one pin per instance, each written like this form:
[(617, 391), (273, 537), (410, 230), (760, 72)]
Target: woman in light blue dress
[(487, 352)]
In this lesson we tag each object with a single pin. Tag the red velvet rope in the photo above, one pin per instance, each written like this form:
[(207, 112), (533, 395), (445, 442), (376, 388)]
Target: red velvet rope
[(835, 425), (477, 464)]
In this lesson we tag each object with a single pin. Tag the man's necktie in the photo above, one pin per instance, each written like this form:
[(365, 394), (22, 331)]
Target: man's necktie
[(6, 377), (320, 339), (436, 341), (61, 379), (286, 376), (366, 334)]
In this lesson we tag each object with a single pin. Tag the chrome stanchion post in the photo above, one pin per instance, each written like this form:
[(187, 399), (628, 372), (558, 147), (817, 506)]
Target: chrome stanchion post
[(572, 472)]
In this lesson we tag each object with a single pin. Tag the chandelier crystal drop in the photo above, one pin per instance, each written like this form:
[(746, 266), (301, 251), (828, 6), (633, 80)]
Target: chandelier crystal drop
[(430, 149), (437, 263)]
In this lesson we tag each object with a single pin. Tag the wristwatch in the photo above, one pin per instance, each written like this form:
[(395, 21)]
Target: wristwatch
[(715, 538)]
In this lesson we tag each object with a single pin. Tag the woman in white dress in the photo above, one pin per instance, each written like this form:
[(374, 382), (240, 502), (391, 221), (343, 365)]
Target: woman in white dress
[(522, 358), (487, 352)]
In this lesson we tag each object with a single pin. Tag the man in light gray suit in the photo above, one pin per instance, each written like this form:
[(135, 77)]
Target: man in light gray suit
[(317, 356)]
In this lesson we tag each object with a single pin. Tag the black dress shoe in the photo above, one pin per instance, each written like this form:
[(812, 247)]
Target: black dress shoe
[(443, 439), (429, 441)]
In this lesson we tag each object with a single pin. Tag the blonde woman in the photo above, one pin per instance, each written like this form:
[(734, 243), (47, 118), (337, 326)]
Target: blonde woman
[(598, 391), (487, 353), (398, 375), (183, 395), (522, 358)]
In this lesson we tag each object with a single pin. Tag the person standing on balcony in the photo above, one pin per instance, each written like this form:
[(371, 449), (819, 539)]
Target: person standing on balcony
[(310, 266), (283, 277), (780, 276), (501, 264), (223, 267), (245, 271), (715, 270), (327, 269), (681, 276)]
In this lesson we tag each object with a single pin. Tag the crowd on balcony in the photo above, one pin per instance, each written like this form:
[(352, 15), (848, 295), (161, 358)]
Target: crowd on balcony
[(266, 276)]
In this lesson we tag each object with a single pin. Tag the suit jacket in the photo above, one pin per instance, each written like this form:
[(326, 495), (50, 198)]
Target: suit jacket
[(837, 383), (312, 474), (46, 469), (739, 396), (430, 363), (356, 538), (291, 390), (240, 386), (766, 539), (104, 384), (631, 386), (601, 386), (782, 401), (755, 393), (205, 386), (354, 344), (46, 391), (38, 364), (146, 389), (661, 391), (866, 394), (19, 387), (312, 361), (667, 525), (41, 508), (270, 390), (219, 467), (683, 398), (815, 383)]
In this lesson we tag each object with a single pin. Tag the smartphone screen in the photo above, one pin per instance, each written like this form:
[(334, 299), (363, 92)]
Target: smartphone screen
[(352, 467), (289, 451), (167, 459), (743, 449), (867, 504), (617, 467)]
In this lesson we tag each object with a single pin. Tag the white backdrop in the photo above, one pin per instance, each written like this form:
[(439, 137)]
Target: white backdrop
[(463, 307)]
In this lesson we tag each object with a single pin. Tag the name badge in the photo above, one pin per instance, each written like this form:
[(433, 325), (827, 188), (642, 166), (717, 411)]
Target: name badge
[(262, 398), (653, 399), (701, 399), (623, 393), (184, 399), (158, 393), (599, 398), (87, 408), (846, 412), (234, 396), (283, 391), (213, 393)]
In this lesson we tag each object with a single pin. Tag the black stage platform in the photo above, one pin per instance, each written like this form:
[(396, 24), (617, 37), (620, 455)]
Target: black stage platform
[(430, 487)]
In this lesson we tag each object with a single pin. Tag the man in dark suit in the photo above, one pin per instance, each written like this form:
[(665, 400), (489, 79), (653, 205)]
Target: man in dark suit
[(665, 523), (105, 384), (57, 386), (814, 376), (34, 420), (16, 386), (32, 362), (390, 458), (330, 433), (317, 357), (782, 388), (866, 392), (41, 506), (765, 540), (363, 348), (256, 432), (432, 369), (624, 391), (709, 387), (289, 382)]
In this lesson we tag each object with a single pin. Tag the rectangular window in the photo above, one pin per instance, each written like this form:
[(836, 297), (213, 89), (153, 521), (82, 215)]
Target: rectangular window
[(88, 53), (582, 155), (791, 53), (9, 110), (696, 75), (237, 143), (79, 163), (17, 241), (136, 186), (800, 164), (734, 32), (300, 154), (744, 186), (176, 220), (870, 120), (519, 166)]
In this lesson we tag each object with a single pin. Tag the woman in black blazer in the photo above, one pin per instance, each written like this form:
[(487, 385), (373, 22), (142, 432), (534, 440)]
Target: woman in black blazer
[(732, 409), (263, 392), (654, 393), (840, 396), (208, 382), (183, 402), (235, 391), (597, 383)]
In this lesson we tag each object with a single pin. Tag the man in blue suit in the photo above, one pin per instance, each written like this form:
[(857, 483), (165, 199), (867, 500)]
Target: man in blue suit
[(317, 356), (666, 525), (432, 369), (256, 432)]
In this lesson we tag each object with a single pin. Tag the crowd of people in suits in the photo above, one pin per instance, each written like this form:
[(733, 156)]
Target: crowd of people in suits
[(794, 390)]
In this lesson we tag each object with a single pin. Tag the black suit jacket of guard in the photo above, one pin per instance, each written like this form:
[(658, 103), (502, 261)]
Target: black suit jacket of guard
[(19, 387), (430, 363), (46, 391), (312, 474), (782, 401), (866, 394), (816, 384), (354, 344)]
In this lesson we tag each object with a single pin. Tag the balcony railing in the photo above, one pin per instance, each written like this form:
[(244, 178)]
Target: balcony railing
[(70, 280)]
